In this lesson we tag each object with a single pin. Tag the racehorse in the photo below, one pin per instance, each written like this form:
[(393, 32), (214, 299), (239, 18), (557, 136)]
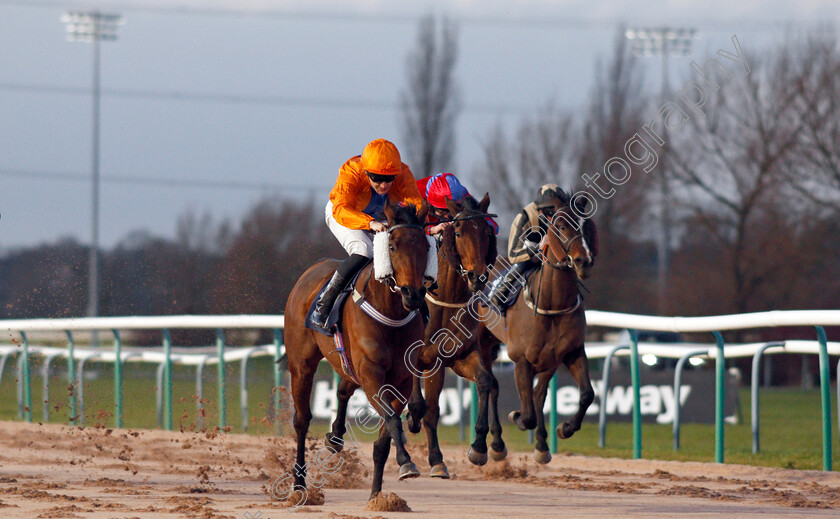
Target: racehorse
[(545, 331), (466, 248), (375, 352)]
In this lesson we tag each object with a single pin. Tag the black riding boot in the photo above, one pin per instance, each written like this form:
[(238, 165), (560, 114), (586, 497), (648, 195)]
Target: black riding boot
[(342, 275), (325, 302), (500, 295)]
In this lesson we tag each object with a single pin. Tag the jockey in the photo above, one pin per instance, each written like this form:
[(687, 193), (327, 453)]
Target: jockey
[(356, 210), (526, 232), (435, 190)]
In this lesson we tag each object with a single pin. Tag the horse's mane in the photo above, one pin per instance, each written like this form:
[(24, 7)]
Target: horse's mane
[(406, 214)]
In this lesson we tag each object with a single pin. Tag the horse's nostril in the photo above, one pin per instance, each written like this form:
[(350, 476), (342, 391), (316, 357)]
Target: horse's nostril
[(405, 291)]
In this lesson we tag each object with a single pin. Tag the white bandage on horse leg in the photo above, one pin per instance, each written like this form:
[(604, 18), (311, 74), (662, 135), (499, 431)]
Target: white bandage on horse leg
[(382, 267), (431, 262)]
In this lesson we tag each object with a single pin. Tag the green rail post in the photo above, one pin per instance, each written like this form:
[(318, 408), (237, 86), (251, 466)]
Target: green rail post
[(552, 419), (71, 375), (27, 386), (118, 393), (473, 410), (634, 378), (220, 350), (720, 396), (167, 381), (278, 380), (825, 383)]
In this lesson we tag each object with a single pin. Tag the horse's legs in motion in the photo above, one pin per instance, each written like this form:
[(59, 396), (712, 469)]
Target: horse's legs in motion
[(334, 439), (301, 377), (381, 450), (579, 368), (498, 451), (383, 403), (541, 452), (434, 386), (472, 368), (416, 407), (524, 374)]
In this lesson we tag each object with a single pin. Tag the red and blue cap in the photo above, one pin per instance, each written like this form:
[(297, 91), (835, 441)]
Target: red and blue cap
[(442, 186)]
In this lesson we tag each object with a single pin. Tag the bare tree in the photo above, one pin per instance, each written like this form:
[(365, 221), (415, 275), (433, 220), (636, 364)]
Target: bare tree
[(814, 171), (728, 164), (515, 167), (616, 110), (430, 102)]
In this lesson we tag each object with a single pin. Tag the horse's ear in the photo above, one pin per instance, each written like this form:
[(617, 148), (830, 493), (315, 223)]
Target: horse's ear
[(591, 235), (580, 204), (452, 206), (485, 203), (390, 213), (423, 212)]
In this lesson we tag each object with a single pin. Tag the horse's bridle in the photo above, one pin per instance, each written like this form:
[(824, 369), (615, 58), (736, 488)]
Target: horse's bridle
[(568, 261), (458, 218), (390, 281)]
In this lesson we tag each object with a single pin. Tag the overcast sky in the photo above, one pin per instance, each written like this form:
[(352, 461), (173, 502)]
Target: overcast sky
[(211, 105)]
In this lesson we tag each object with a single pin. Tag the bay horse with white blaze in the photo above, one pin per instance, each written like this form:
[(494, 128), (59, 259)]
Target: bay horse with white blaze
[(545, 331), (465, 250), (375, 352)]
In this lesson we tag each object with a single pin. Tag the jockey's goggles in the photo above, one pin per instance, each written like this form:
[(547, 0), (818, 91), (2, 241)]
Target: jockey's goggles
[(377, 178)]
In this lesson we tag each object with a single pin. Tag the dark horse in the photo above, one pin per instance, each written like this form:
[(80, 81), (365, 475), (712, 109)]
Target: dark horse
[(376, 352), (466, 248), (546, 325)]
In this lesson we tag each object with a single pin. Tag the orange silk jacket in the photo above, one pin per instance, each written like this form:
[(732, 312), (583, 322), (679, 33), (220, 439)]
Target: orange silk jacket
[(351, 194)]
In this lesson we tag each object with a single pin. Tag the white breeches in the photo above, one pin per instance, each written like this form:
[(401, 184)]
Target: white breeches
[(354, 241)]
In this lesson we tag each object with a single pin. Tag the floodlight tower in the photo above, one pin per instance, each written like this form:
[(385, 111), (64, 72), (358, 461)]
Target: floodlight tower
[(665, 42), (93, 27)]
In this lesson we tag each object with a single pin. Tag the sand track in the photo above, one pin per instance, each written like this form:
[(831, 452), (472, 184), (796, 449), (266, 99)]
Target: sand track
[(52, 471)]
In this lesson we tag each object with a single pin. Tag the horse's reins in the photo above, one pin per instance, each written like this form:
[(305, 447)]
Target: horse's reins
[(568, 262)]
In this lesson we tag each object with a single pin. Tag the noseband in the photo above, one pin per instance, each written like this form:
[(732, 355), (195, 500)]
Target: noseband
[(568, 261)]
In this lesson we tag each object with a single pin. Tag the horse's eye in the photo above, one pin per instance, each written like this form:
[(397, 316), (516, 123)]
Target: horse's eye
[(457, 235), (562, 227), (391, 248)]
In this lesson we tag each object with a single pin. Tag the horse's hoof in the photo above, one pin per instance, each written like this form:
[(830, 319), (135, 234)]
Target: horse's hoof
[(440, 471), (498, 455), (477, 458), (335, 446), (514, 418), (565, 431), (408, 470), (542, 457)]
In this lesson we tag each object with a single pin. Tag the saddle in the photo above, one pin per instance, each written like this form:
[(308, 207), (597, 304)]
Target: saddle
[(515, 288)]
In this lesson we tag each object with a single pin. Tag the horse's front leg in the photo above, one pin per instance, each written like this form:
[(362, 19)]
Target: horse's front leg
[(472, 368), (498, 450), (381, 449), (541, 452), (524, 375), (416, 407), (434, 386), (578, 366), (335, 438)]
